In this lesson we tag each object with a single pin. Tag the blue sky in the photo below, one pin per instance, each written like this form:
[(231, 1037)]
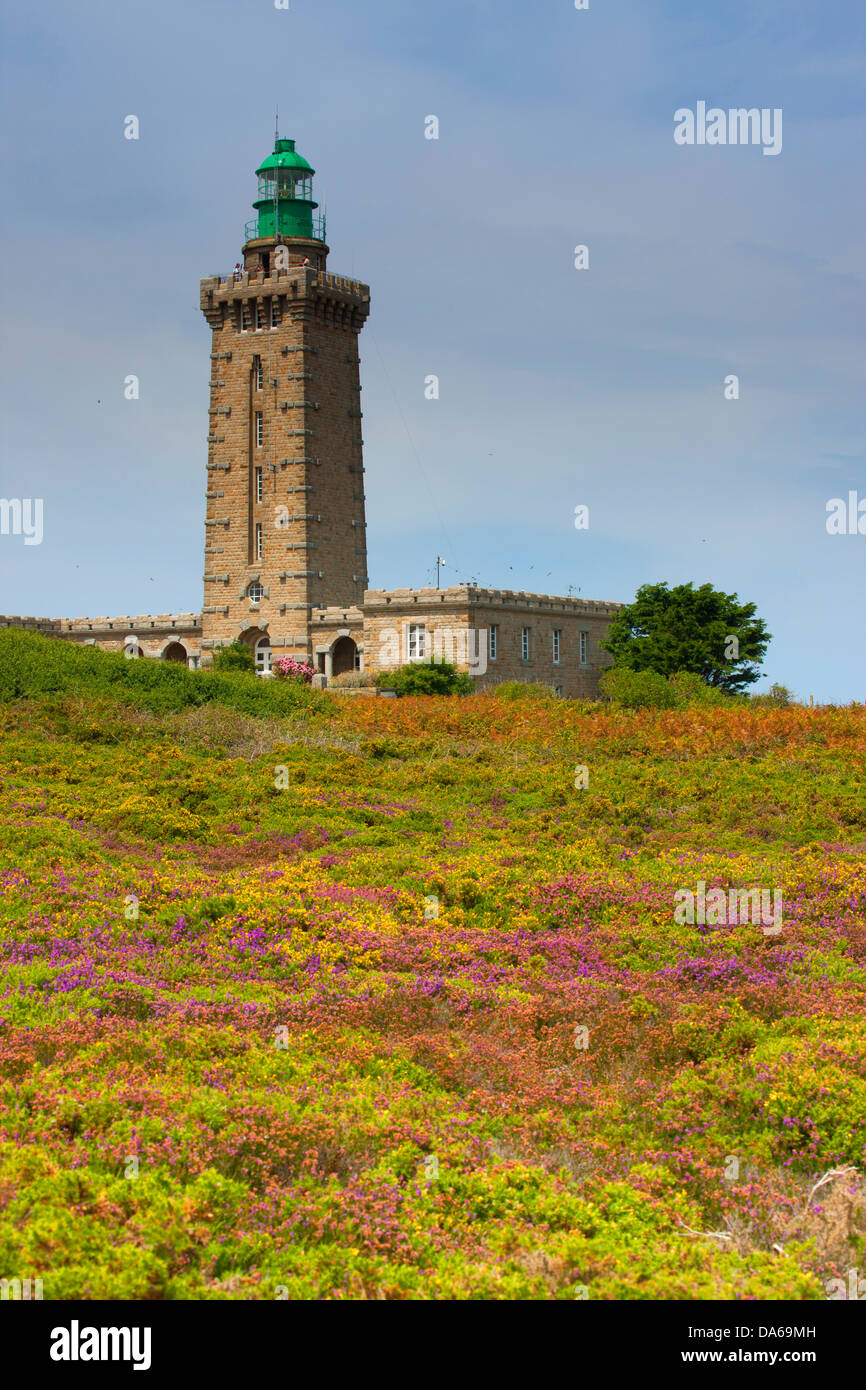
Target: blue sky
[(557, 387)]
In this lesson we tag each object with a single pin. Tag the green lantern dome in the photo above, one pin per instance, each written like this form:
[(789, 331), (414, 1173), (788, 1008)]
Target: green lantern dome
[(285, 204), (285, 156)]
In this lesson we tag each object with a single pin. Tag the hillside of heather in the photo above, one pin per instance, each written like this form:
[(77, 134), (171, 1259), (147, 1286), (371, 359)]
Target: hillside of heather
[(330, 997)]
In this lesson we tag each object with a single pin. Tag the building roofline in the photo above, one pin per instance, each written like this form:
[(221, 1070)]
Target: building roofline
[(472, 594)]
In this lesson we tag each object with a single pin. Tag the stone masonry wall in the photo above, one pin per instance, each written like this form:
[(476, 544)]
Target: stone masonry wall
[(443, 611), (302, 326)]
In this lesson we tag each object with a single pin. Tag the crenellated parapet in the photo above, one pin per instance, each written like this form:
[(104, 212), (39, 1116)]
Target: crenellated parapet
[(142, 622), (470, 595), (169, 636), (48, 626), (271, 295)]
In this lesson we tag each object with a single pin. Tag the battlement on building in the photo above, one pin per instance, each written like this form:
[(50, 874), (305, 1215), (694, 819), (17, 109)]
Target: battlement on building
[(144, 622), (182, 622), (292, 279), (37, 624), (463, 594)]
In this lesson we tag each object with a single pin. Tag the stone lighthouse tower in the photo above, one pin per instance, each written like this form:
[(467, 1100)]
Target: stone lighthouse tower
[(285, 528)]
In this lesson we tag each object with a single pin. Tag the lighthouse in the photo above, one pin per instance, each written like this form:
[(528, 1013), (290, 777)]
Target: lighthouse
[(285, 527)]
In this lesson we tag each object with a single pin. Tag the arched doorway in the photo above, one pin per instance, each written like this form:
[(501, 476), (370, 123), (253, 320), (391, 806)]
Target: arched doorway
[(175, 652), (259, 643), (344, 656), (263, 656)]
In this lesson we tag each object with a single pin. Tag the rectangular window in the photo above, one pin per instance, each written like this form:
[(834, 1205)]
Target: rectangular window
[(493, 641), (260, 316), (245, 317), (584, 648), (557, 646), (258, 540), (524, 644), (260, 484), (416, 641), (259, 373), (260, 429), (275, 314)]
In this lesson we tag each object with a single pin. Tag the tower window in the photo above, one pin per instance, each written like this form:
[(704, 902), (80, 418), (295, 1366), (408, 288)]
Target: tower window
[(258, 540), (255, 592), (275, 314), (524, 643), (260, 316), (557, 646), (260, 484), (260, 429), (245, 318), (584, 648), (493, 641), (258, 373)]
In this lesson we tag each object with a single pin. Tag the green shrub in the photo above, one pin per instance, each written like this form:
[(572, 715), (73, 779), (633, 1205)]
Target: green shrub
[(33, 666), (637, 689), (426, 678), (651, 690), (235, 657), (692, 689), (777, 697)]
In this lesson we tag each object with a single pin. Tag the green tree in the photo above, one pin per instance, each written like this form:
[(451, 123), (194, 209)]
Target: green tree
[(687, 629)]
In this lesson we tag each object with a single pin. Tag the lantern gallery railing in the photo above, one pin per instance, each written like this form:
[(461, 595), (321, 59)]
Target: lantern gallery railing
[(263, 225)]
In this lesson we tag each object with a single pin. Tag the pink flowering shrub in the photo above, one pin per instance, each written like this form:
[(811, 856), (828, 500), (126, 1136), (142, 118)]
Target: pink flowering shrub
[(288, 669), (414, 1018)]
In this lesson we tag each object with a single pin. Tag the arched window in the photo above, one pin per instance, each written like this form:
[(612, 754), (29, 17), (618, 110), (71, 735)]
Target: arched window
[(131, 649), (263, 656)]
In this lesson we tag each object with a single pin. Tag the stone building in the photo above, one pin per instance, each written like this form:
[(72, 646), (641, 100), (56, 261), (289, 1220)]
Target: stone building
[(285, 551), (496, 634)]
